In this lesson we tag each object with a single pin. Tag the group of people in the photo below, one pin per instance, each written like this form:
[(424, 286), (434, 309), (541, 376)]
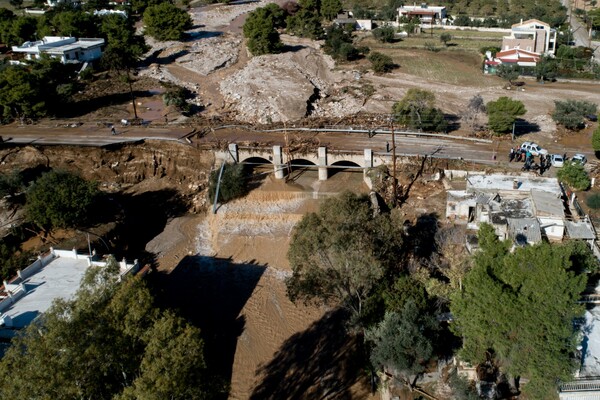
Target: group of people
[(519, 155)]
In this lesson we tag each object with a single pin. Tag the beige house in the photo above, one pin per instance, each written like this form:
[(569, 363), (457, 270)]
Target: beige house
[(533, 36)]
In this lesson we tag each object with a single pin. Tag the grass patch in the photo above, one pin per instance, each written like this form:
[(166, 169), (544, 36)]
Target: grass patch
[(454, 66), (470, 41), (18, 11)]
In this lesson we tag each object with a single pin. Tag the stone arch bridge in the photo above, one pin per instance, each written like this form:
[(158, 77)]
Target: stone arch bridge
[(322, 159)]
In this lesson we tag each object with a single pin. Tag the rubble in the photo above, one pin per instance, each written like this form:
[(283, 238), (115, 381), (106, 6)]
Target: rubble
[(211, 54), (287, 87)]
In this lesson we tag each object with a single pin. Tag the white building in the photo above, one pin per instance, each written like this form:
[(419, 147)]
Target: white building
[(55, 275), (520, 208), (426, 14), (65, 49), (586, 385)]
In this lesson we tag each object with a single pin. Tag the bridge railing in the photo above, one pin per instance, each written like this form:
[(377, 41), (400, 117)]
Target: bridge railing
[(369, 132)]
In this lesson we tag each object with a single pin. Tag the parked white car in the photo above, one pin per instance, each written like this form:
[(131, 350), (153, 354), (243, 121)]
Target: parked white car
[(579, 158), (557, 160), (533, 148)]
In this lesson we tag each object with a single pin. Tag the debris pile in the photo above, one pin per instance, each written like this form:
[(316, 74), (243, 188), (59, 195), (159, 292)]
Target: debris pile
[(210, 54)]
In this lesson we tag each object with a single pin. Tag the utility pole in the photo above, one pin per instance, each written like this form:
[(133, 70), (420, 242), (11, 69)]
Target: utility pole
[(395, 188), (591, 30), (513, 132)]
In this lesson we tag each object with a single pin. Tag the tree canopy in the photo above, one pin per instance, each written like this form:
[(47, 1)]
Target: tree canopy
[(34, 90), (508, 72), (15, 30), (417, 110), (260, 30), (403, 341), (123, 46), (110, 341), (330, 8), (571, 113), (60, 199), (380, 62), (385, 34), (520, 307), (596, 140), (338, 43), (165, 21), (503, 112), (574, 175), (340, 254), (306, 22)]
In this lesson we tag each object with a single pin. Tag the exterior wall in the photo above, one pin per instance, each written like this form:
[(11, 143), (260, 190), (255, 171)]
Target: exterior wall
[(364, 24), (541, 41), (554, 228), (456, 210)]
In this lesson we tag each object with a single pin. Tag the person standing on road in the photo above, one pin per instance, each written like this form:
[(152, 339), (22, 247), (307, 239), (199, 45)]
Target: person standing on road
[(113, 131), (511, 155)]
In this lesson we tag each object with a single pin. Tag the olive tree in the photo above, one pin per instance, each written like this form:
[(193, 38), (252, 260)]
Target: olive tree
[(571, 113), (417, 110)]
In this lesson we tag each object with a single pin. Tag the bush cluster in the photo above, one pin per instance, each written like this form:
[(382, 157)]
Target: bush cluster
[(233, 183)]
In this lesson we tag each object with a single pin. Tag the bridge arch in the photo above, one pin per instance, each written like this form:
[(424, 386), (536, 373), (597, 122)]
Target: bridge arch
[(253, 161), (298, 167), (343, 165)]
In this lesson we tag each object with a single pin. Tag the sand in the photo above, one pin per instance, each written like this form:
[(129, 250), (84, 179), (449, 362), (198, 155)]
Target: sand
[(235, 261)]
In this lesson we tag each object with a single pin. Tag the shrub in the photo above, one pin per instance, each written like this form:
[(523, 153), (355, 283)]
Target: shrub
[(380, 62), (417, 110), (574, 175), (596, 141), (176, 96), (445, 38), (431, 47), (233, 183), (593, 201), (385, 34), (571, 113)]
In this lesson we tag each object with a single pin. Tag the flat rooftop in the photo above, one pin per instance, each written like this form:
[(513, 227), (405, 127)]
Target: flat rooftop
[(80, 44), (498, 182), (59, 279)]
